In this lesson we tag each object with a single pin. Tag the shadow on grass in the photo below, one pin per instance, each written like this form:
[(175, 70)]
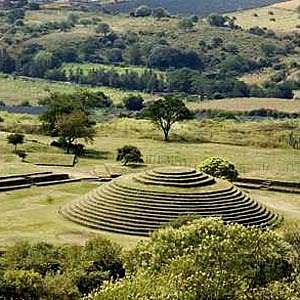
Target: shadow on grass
[(95, 154), (135, 166)]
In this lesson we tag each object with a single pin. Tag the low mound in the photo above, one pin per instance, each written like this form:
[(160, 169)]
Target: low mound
[(139, 203)]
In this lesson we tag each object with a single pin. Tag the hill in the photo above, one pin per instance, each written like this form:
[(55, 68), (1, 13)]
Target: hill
[(201, 7), (280, 17)]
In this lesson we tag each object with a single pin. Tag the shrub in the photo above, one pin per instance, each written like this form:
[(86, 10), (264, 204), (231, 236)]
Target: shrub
[(129, 154), (219, 167), (20, 284), (133, 102), (160, 12), (22, 154), (203, 260), (143, 11)]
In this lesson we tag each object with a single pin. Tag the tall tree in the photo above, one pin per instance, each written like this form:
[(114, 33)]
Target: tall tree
[(15, 139), (63, 104), (166, 112), (73, 126)]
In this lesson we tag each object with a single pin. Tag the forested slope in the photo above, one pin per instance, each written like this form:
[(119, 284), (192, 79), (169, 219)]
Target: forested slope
[(201, 7)]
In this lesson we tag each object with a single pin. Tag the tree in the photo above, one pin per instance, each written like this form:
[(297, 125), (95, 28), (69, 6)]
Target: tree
[(206, 259), (165, 57), (82, 100), (7, 63), (143, 11), (103, 28), (134, 55), (15, 139), (166, 112), (133, 102), (160, 12), (115, 55), (42, 62), (218, 167), (129, 154), (73, 126), (269, 49), (186, 24), (14, 15), (216, 20)]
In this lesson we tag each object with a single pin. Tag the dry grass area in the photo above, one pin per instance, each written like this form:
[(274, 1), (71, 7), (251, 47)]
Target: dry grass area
[(42, 16), (258, 77), (290, 4), (281, 17), (247, 104)]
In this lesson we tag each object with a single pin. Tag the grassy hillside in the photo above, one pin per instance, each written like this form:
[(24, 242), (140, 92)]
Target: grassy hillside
[(281, 17)]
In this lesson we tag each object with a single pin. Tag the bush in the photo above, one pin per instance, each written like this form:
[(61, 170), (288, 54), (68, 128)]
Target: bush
[(219, 167), (20, 284), (129, 154), (133, 102), (15, 139), (204, 260), (143, 11), (22, 154)]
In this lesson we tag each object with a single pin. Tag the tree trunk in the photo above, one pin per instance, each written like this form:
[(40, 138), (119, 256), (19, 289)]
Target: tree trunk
[(166, 135), (68, 147)]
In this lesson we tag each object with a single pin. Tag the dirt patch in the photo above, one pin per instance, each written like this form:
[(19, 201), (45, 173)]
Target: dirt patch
[(75, 237)]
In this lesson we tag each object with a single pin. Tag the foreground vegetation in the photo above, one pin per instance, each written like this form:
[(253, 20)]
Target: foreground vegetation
[(229, 261)]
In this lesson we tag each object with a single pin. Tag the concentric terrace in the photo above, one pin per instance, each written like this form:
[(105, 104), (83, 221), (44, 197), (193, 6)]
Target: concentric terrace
[(139, 203)]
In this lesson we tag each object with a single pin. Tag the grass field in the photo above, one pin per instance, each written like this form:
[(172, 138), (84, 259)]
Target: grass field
[(285, 15), (15, 91), (247, 104), (254, 141), (32, 214)]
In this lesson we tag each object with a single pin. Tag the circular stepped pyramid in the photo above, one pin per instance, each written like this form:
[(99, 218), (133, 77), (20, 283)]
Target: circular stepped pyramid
[(139, 203)]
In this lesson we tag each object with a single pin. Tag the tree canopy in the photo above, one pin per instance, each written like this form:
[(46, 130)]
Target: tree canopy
[(205, 259), (166, 112)]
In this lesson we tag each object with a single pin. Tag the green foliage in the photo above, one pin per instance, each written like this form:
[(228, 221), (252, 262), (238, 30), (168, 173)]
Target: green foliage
[(143, 11), (186, 24), (203, 260), (219, 167), (44, 271), (160, 12), (129, 154), (133, 102), (15, 139), (103, 28), (20, 284), (59, 104), (216, 20), (291, 234), (73, 126), (166, 112)]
